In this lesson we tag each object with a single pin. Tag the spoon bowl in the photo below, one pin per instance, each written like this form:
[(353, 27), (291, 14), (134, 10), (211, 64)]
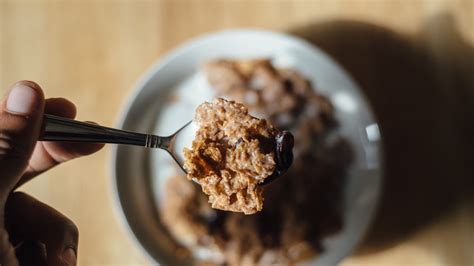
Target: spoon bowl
[(181, 139)]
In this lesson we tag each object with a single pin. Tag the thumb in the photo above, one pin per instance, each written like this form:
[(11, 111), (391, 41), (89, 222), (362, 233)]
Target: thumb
[(21, 115)]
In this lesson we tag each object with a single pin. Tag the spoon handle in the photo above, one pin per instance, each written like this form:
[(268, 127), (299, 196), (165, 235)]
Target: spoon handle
[(62, 129)]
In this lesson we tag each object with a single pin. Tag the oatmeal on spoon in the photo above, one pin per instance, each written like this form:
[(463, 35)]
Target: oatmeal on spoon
[(234, 154)]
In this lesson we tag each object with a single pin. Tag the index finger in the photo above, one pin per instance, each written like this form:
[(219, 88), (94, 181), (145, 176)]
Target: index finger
[(49, 154)]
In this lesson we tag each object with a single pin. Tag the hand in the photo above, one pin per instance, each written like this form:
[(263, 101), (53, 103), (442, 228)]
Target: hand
[(32, 233)]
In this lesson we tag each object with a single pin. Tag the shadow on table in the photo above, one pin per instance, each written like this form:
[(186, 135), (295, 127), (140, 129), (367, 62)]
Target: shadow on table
[(422, 90)]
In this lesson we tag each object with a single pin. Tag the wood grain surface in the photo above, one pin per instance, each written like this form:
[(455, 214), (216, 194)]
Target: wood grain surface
[(414, 59)]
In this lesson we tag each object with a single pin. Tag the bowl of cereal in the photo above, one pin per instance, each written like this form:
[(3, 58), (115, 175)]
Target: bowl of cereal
[(316, 213)]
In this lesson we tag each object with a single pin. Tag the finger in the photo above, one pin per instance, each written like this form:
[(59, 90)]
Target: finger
[(60, 107), (49, 154), (31, 253), (7, 252), (21, 113), (28, 219)]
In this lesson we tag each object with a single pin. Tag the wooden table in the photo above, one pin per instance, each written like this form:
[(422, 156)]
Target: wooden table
[(414, 59)]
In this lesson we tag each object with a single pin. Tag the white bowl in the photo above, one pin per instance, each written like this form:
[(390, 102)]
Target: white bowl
[(139, 173)]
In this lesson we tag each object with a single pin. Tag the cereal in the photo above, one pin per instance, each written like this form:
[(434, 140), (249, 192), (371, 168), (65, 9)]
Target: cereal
[(232, 153)]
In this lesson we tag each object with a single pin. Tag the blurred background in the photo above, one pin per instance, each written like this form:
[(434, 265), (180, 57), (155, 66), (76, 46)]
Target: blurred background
[(414, 60)]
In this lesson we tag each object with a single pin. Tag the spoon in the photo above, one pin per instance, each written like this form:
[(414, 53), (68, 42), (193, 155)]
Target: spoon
[(57, 128), (62, 129)]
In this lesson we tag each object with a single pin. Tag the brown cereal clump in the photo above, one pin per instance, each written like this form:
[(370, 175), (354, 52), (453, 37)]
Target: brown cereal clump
[(232, 153)]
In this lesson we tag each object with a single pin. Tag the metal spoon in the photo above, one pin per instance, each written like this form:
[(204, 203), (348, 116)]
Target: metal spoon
[(63, 129)]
